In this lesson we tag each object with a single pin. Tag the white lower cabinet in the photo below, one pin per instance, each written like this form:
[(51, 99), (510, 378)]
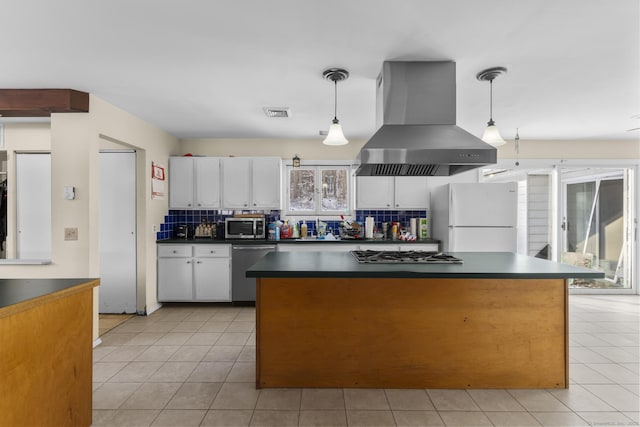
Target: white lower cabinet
[(175, 278), (198, 272)]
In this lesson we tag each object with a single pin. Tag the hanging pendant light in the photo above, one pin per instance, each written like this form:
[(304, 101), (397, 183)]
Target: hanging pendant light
[(335, 135), (491, 133)]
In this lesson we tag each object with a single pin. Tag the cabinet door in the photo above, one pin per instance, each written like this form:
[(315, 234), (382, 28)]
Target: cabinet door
[(207, 182), (236, 182), (266, 182), (212, 279), (175, 279), (411, 192), (181, 183), (374, 192)]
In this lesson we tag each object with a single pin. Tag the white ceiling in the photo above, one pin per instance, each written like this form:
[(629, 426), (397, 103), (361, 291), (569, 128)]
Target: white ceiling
[(206, 68)]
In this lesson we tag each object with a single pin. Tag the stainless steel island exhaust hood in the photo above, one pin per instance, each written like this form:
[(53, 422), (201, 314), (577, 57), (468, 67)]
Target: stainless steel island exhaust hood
[(416, 105)]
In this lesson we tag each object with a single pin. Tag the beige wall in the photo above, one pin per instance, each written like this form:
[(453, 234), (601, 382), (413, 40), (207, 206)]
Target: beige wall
[(74, 141), (572, 150)]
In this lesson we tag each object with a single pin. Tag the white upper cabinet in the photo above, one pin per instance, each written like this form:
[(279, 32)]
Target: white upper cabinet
[(181, 182), (251, 182), (267, 177), (236, 182), (389, 192), (412, 192), (207, 183), (374, 192), (194, 183)]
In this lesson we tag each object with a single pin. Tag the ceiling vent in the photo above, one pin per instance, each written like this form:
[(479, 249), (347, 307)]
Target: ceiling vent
[(277, 112)]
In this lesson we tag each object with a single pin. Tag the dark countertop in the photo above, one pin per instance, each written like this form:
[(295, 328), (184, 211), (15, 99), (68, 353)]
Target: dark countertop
[(15, 291), (294, 241), (500, 265)]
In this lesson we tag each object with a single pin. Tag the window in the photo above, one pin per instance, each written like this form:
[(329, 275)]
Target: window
[(318, 190)]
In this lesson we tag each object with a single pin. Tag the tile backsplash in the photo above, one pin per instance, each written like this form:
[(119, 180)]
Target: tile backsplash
[(194, 217)]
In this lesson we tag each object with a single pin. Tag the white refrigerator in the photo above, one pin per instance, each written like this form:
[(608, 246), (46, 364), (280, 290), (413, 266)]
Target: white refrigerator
[(477, 217)]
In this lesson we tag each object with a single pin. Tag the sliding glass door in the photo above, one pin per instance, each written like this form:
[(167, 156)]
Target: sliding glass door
[(597, 225)]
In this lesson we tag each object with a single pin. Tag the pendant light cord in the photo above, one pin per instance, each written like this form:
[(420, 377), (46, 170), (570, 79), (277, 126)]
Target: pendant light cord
[(491, 101), (335, 101)]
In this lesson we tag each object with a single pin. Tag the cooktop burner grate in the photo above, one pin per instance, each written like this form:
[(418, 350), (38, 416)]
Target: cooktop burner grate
[(407, 257)]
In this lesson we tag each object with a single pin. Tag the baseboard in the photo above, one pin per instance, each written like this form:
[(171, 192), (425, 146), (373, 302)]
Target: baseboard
[(97, 342), (153, 308)]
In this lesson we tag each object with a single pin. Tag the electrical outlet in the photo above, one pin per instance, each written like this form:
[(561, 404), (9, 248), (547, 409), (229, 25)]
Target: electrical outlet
[(153, 228), (70, 234)]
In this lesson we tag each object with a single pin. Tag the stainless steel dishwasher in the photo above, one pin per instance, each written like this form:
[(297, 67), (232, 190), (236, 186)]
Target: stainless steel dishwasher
[(242, 257)]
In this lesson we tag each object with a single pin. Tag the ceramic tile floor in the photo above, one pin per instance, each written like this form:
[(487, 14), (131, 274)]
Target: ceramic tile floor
[(195, 366), (106, 322)]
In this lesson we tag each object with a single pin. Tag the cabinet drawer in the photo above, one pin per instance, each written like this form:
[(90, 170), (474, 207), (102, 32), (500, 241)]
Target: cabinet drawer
[(174, 251), (211, 251)]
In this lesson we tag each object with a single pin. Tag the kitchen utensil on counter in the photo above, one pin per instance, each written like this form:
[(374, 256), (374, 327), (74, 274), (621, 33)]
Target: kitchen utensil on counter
[(353, 232), (182, 231)]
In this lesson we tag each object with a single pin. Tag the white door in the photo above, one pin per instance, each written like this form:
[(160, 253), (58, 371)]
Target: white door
[(33, 189), (117, 232)]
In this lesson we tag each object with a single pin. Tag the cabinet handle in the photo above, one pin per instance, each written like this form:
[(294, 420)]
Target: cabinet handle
[(198, 262), (213, 252), (388, 205), (175, 252), (397, 205), (255, 204), (188, 262)]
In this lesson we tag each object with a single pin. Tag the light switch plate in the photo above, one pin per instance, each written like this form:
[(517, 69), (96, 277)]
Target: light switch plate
[(69, 192)]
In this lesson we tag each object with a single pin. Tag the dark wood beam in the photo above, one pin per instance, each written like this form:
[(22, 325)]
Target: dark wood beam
[(42, 102)]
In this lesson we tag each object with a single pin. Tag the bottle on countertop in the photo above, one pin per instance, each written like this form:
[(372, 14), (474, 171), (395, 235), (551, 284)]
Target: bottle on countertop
[(303, 230), (285, 230)]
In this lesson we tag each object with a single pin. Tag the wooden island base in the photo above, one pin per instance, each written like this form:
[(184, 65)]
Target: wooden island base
[(46, 353), (411, 333)]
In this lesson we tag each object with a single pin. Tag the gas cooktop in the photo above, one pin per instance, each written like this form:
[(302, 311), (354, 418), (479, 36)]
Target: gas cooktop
[(407, 257)]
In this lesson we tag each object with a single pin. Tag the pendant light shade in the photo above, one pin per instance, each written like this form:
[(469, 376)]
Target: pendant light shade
[(491, 134), (335, 135)]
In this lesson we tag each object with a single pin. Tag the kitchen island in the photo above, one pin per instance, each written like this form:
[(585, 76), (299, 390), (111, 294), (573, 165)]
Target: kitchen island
[(498, 320), (46, 351)]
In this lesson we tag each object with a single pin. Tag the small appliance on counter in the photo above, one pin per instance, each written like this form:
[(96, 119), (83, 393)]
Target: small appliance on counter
[(182, 232), (244, 228)]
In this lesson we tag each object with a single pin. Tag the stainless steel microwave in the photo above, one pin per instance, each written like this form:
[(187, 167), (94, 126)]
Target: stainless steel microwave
[(244, 228)]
